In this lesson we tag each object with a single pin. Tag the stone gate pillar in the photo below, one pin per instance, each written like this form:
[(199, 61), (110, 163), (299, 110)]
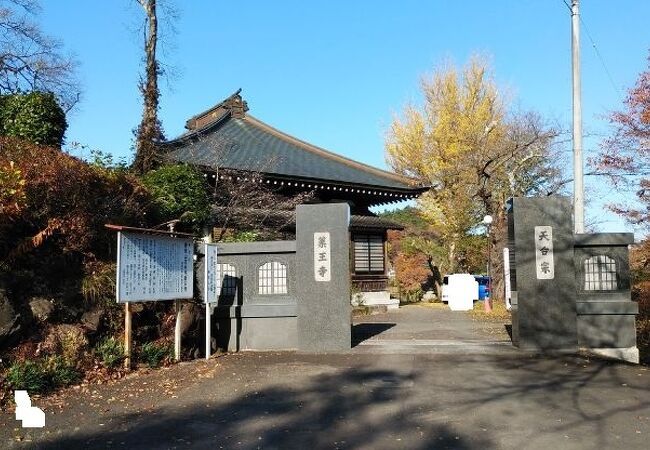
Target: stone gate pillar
[(540, 232), (323, 277)]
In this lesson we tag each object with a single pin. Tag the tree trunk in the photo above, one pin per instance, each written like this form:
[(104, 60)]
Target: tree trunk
[(452, 256), (498, 240), (149, 130)]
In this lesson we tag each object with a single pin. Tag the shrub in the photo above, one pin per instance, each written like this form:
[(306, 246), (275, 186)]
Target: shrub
[(12, 190), (42, 375), (68, 341), (641, 293), (69, 203), (111, 352), (180, 192), (154, 354), (60, 372), (28, 375), (98, 283), (36, 117), (411, 273)]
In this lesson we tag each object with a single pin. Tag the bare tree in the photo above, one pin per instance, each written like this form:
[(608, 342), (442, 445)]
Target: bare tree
[(149, 132), (31, 60), (244, 201)]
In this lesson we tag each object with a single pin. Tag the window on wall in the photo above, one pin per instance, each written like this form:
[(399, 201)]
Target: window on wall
[(272, 278), (600, 273), (226, 280), (368, 253)]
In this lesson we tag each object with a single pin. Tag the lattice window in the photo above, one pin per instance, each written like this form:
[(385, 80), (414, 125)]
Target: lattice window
[(272, 278), (226, 280), (600, 274), (368, 253)]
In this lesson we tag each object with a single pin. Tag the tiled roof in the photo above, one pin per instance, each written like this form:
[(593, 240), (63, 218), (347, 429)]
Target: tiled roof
[(246, 143)]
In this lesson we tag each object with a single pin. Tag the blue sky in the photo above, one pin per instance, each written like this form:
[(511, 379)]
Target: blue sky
[(335, 72)]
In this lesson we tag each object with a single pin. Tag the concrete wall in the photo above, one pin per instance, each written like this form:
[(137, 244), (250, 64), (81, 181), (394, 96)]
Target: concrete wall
[(606, 318), (314, 314), (249, 320)]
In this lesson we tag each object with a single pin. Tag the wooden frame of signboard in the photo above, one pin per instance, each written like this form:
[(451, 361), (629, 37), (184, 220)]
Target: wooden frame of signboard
[(159, 287)]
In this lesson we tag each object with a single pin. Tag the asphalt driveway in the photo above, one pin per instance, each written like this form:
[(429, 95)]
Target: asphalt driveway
[(372, 397)]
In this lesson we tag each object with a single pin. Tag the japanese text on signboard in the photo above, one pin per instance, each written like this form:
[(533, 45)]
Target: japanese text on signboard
[(322, 257), (211, 286), (154, 268), (544, 253)]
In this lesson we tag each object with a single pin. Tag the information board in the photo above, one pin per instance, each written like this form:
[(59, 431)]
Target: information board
[(151, 267), (211, 294)]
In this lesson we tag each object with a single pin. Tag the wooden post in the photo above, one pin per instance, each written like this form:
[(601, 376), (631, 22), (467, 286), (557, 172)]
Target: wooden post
[(177, 331), (208, 332), (127, 335)]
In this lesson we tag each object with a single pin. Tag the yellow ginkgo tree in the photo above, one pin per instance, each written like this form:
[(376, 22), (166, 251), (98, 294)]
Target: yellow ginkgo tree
[(475, 151)]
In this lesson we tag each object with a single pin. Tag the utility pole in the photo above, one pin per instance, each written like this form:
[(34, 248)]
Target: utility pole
[(578, 179)]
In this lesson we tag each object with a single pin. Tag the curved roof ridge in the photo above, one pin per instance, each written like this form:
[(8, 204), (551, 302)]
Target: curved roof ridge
[(196, 133), (327, 153)]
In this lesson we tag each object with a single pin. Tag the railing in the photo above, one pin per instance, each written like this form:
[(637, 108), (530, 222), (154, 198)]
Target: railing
[(369, 284)]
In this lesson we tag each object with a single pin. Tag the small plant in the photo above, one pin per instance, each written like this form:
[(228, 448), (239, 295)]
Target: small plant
[(154, 354), (28, 375), (111, 352), (60, 372), (68, 341), (98, 284), (73, 345), (42, 375)]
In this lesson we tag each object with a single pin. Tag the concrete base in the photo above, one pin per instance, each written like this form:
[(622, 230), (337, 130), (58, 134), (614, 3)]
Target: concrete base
[(629, 354), (381, 298)]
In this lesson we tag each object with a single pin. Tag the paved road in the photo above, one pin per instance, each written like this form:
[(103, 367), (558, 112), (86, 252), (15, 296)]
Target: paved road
[(361, 399), (429, 329)]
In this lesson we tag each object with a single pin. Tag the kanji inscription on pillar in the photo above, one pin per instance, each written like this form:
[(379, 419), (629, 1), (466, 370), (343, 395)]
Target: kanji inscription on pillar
[(322, 257), (545, 265)]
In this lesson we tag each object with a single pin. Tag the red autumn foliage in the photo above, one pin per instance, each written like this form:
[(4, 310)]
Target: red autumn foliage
[(626, 154), (67, 202), (640, 267), (411, 271)]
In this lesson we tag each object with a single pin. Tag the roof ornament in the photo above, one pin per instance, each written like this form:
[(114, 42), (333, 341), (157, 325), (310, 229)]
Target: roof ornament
[(234, 105)]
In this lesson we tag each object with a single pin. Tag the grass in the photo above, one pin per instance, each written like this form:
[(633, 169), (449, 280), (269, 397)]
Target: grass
[(436, 305), (42, 375), (111, 352), (154, 354), (499, 312)]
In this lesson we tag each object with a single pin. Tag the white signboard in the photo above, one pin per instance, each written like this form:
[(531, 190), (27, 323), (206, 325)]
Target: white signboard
[(322, 257), (544, 253), (211, 291), (506, 276), (151, 267)]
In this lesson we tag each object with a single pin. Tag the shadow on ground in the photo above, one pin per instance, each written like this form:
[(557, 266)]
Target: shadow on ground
[(365, 331), (354, 408), (601, 403)]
